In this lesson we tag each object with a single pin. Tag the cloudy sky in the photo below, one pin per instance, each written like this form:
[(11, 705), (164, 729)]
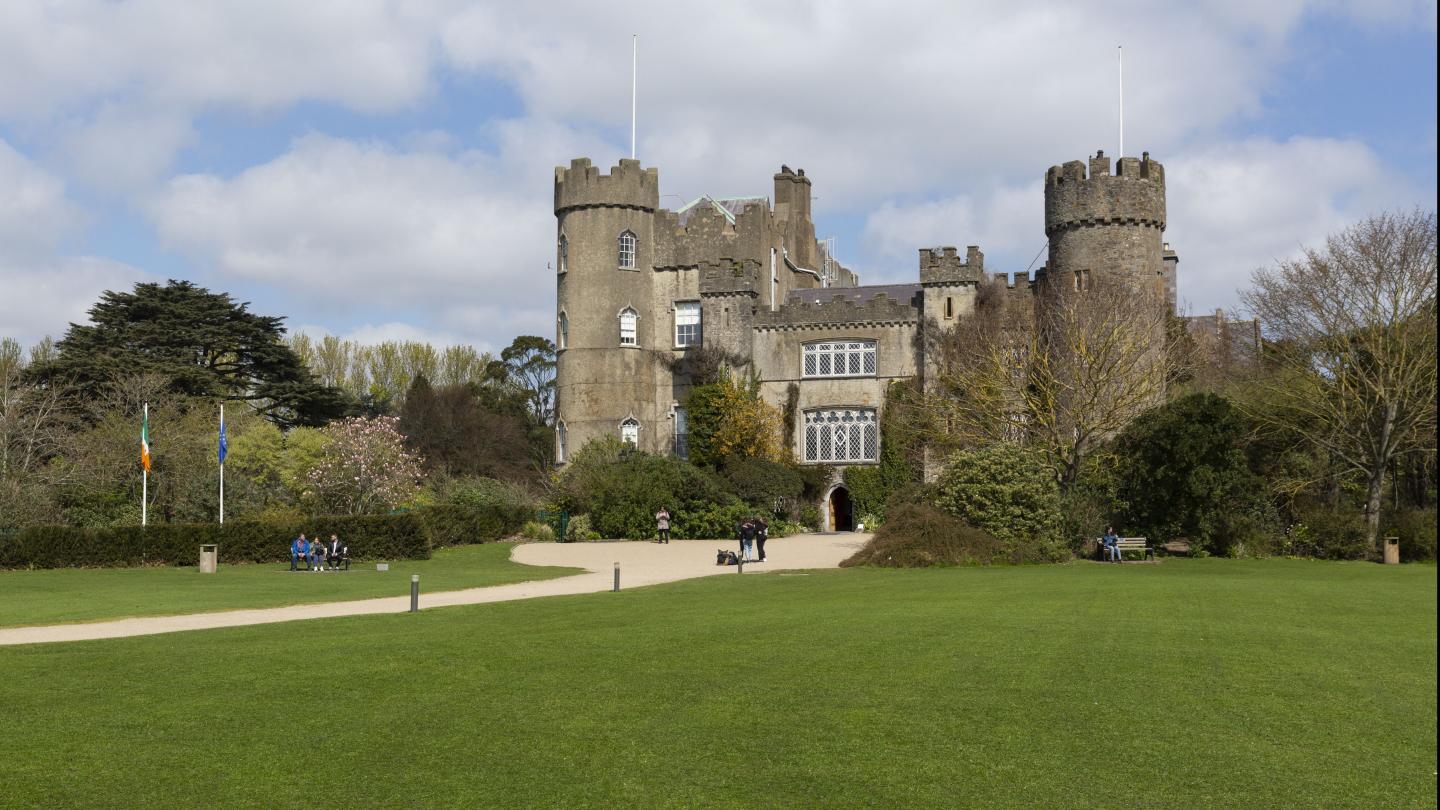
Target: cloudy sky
[(382, 169)]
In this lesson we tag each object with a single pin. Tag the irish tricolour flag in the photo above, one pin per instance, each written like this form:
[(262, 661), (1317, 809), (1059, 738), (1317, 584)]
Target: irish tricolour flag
[(145, 439)]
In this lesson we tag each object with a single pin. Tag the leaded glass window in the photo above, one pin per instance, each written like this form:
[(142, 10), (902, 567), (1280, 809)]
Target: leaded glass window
[(838, 358), (630, 431), (564, 260), (843, 435)]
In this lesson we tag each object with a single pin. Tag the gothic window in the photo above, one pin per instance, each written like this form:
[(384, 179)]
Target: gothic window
[(682, 434), (838, 358), (562, 331), (627, 251), (630, 431), (564, 261), (843, 435), (687, 323), (628, 319), (560, 440)]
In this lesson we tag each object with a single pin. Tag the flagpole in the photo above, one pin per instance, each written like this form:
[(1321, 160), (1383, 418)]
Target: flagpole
[(1120, 63), (145, 473), (222, 464), (634, 71)]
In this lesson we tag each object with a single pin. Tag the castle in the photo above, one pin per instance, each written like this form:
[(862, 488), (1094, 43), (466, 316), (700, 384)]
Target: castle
[(639, 286)]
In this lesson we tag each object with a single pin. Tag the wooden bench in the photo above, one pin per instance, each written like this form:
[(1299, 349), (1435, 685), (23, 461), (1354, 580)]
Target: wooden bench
[(1139, 545)]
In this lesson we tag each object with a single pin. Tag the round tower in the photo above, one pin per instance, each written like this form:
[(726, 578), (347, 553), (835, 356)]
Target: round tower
[(1104, 225), (1105, 234), (605, 380)]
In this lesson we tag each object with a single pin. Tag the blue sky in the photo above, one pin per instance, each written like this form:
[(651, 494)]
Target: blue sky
[(377, 170)]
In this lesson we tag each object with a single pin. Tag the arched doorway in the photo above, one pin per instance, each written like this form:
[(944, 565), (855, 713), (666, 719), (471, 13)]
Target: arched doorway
[(841, 514)]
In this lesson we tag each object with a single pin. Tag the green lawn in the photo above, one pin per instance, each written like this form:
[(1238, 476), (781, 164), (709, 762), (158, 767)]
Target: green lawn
[(77, 594), (1197, 683)]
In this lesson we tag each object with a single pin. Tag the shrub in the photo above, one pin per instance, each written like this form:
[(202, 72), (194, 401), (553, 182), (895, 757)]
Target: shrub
[(785, 528), (368, 536), (922, 536), (764, 485), (1182, 471), (1327, 534), (535, 530), (1010, 493), (622, 488), (1416, 530), (461, 525), (581, 530)]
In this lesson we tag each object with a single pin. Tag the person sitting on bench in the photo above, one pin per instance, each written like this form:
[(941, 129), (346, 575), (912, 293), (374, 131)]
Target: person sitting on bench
[(1112, 544), (317, 555), (299, 550), (337, 552)]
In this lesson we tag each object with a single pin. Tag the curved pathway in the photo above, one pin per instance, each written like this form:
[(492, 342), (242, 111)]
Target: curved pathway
[(640, 564)]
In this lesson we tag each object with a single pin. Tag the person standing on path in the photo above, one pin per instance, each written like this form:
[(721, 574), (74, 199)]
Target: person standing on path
[(747, 539), (762, 533), (662, 525)]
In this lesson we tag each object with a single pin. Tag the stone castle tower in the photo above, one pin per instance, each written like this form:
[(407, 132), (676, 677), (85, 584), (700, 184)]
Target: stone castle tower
[(1104, 225)]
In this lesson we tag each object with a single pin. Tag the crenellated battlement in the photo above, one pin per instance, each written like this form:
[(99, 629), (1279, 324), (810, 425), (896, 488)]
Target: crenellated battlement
[(1077, 195), (840, 310), (626, 186), (729, 277), (1015, 281), (945, 266)]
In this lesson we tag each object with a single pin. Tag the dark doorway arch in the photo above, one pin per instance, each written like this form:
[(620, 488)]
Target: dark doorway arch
[(842, 518)]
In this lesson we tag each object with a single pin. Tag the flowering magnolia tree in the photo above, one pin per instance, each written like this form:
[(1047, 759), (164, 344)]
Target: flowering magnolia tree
[(364, 468)]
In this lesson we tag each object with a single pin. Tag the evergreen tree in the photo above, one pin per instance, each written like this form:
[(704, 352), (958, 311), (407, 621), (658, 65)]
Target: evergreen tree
[(203, 344)]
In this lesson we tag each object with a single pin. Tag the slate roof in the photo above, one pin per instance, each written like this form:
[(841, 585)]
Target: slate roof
[(858, 295)]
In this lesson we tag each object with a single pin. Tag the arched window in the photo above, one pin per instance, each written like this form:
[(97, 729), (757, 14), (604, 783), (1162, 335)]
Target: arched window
[(627, 251), (630, 431), (562, 331), (628, 319), (560, 441), (564, 258), (842, 435)]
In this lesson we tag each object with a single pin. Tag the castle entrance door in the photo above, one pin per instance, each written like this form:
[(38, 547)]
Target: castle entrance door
[(842, 518)]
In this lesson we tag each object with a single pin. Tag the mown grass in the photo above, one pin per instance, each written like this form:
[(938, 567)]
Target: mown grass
[(70, 595), (1187, 684)]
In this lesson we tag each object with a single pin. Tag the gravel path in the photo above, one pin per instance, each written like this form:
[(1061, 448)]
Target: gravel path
[(640, 564)]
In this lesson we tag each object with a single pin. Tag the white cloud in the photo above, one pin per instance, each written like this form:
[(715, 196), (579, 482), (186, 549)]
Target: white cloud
[(339, 225), (1234, 207), (42, 290)]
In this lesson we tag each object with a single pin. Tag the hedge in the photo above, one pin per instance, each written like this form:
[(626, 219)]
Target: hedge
[(387, 537), (460, 525)]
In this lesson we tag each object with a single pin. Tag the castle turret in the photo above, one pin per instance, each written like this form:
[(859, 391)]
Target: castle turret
[(606, 381), (1105, 224), (950, 282)]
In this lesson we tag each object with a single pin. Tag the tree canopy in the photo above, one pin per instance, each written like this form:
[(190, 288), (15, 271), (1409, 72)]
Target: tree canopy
[(204, 344)]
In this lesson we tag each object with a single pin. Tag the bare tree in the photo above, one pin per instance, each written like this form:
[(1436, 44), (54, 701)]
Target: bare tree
[(1064, 375), (1352, 331)]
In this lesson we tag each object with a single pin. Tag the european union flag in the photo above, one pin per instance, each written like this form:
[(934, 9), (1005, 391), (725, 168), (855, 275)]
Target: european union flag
[(222, 438)]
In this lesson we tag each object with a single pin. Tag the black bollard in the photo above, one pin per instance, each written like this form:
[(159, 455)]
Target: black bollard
[(617, 576), (414, 593)]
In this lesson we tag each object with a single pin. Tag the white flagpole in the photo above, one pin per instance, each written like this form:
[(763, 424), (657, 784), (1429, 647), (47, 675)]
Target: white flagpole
[(1120, 55), (145, 473), (222, 467), (634, 72)]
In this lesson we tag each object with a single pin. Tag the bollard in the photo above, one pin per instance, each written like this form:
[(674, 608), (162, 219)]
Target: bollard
[(414, 593), (617, 576), (742, 564)]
